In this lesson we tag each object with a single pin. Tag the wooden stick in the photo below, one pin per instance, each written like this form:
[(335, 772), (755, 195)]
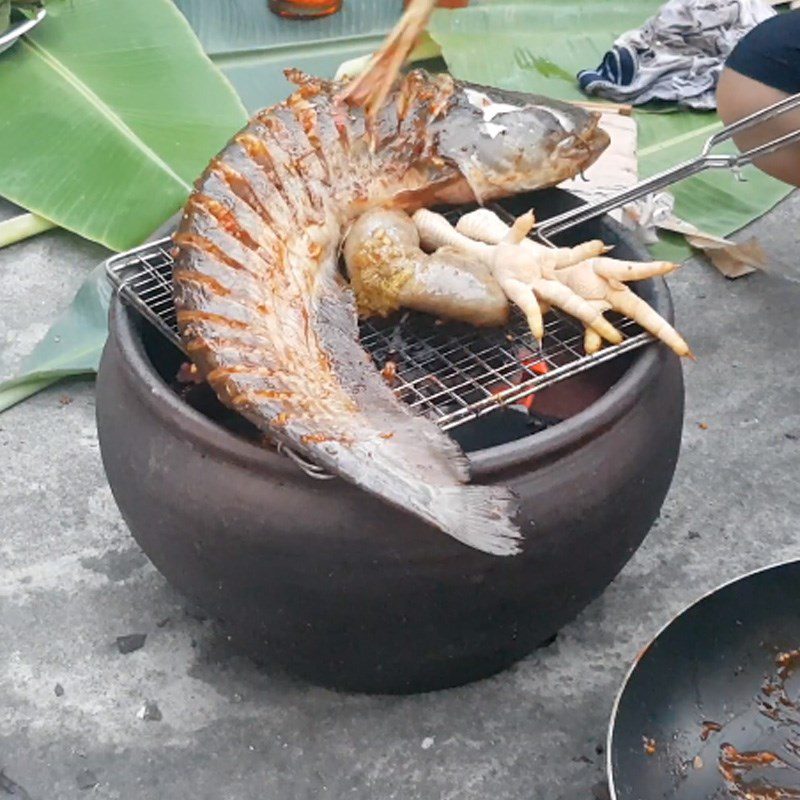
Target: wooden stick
[(623, 109)]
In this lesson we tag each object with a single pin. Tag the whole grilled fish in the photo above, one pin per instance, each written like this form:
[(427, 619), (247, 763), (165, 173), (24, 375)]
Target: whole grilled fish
[(265, 314)]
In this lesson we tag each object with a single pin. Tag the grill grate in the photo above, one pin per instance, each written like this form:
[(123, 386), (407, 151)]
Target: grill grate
[(450, 373)]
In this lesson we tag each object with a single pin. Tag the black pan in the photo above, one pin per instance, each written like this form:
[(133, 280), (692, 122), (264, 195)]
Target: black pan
[(720, 661)]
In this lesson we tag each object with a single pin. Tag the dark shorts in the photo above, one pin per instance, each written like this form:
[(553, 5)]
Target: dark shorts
[(770, 53)]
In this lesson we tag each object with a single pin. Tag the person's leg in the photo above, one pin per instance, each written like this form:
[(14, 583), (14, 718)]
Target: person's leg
[(763, 69)]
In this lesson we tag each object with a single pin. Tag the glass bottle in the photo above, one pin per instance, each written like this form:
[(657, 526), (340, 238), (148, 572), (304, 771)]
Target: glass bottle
[(304, 9)]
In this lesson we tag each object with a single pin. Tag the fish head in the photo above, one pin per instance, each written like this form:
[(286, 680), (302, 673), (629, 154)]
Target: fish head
[(505, 142)]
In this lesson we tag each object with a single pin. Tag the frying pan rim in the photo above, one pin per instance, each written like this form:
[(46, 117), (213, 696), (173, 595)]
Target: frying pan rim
[(644, 651)]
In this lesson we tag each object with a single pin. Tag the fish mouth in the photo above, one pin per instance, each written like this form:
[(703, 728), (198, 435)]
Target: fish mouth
[(583, 149)]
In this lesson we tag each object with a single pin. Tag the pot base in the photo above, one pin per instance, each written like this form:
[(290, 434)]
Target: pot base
[(377, 680)]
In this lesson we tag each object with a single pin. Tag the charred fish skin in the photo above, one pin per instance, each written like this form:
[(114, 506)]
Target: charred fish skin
[(266, 316), (523, 142)]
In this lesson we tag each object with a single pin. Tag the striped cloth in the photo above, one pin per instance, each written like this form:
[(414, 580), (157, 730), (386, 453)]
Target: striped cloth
[(677, 55)]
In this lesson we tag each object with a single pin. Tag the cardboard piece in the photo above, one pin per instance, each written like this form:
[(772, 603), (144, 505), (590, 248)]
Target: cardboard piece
[(732, 259)]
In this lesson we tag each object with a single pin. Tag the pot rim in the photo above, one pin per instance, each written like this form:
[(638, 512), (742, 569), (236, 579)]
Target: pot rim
[(155, 393), (600, 415)]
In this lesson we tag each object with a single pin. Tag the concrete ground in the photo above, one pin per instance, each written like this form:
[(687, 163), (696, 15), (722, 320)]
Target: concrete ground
[(72, 580)]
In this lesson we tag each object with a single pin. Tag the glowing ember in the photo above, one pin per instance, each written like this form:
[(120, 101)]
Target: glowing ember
[(188, 373), (540, 368), (529, 363), (389, 372)]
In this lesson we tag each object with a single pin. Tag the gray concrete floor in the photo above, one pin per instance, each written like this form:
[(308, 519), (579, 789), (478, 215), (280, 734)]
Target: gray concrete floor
[(72, 580)]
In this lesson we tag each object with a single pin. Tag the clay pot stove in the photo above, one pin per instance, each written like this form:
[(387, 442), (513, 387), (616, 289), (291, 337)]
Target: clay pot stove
[(342, 590)]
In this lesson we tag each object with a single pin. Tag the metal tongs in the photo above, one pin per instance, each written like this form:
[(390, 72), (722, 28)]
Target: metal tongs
[(9, 37), (706, 160)]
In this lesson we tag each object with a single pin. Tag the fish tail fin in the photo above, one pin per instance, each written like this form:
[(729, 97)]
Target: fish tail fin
[(478, 516)]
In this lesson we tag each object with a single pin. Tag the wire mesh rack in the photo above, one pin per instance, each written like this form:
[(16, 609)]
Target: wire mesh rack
[(451, 373)]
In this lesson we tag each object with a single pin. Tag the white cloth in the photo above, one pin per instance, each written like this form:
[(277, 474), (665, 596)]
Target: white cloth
[(677, 55)]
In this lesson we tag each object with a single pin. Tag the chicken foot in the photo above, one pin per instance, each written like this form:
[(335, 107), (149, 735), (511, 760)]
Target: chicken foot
[(597, 279), (525, 275)]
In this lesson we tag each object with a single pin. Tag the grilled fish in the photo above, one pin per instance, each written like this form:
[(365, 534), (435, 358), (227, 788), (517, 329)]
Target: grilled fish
[(271, 324)]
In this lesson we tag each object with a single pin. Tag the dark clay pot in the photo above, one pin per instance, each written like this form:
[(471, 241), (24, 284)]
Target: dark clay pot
[(342, 590)]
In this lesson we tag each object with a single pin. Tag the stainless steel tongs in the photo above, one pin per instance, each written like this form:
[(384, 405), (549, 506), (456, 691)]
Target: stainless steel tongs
[(17, 31), (706, 160)]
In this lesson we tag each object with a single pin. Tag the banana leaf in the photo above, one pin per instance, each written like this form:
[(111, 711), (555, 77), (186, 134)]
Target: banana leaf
[(71, 347), (536, 46), (121, 111), (5, 14), (541, 46)]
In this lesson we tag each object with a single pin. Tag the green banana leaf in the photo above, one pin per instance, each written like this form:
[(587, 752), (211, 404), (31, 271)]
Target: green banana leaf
[(71, 347), (540, 47), (5, 14), (122, 110)]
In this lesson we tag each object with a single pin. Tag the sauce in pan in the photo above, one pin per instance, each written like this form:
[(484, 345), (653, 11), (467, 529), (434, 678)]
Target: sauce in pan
[(764, 775), (708, 728)]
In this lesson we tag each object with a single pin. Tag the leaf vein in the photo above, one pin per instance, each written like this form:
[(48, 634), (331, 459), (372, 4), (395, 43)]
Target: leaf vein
[(104, 109)]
